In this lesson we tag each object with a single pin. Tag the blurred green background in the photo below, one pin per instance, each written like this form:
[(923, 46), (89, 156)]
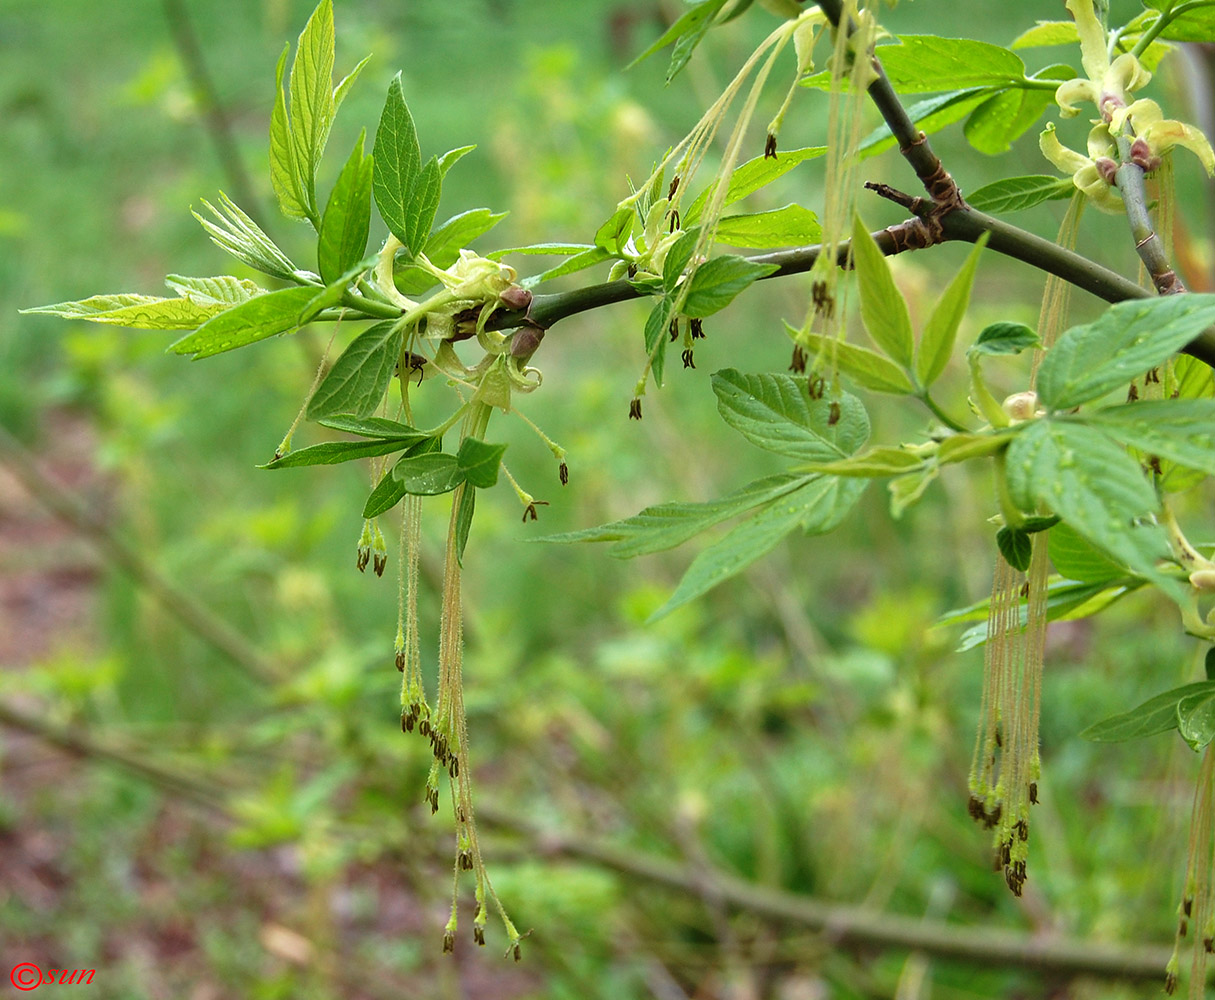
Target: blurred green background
[(804, 727)]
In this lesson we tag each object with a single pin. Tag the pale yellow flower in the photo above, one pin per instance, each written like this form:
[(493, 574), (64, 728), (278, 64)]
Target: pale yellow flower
[(1092, 174), (1108, 83), (1145, 122)]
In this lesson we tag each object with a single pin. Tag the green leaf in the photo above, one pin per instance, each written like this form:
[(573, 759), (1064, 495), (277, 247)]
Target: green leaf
[(883, 309), (444, 246), (343, 88), (774, 412), (964, 447), (1196, 719), (1066, 601), (923, 63), (333, 452), (1127, 339), (1003, 118), (257, 319), (1156, 715), (429, 474), (666, 525), (373, 427), (749, 177), (240, 236), (1015, 193), (678, 255), (789, 226), (875, 463), (540, 249), (284, 171), (1092, 485), (342, 239), (223, 289), (312, 105), (941, 330), (714, 284), (691, 37), (1004, 338), (1076, 559), (467, 505), (452, 157), (656, 326), (388, 492), (614, 233), (1046, 33), (929, 116), (1016, 548), (423, 203), (579, 262), (866, 367), (479, 462), (1194, 25), (687, 30), (359, 378), (398, 161), (1181, 430), (817, 507), (139, 312), (1208, 663)]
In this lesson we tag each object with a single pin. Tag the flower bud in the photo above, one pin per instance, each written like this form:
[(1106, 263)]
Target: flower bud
[(516, 297), (525, 341), (1021, 405)]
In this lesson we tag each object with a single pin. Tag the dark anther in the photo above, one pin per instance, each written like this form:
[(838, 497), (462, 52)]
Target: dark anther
[(277, 455), (687, 359), (564, 473), (770, 147), (1025, 590), (465, 323), (1152, 376), (379, 563), (424, 727), (466, 863), (479, 934), (1132, 393), (1208, 945), (1154, 464), (632, 269), (697, 329), (798, 363), (1187, 906), (833, 414), (529, 513), (635, 408), (674, 219), (999, 739), (1033, 792), (1022, 829), (406, 723), (453, 769), (673, 188), (460, 815), (824, 302), (673, 329), (449, 942), (401, 660), (364, 557), (816, 387), (1183, 927), (518, 954)]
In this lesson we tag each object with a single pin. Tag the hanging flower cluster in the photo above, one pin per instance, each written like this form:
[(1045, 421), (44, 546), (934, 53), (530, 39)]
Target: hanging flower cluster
[(1109, 84)]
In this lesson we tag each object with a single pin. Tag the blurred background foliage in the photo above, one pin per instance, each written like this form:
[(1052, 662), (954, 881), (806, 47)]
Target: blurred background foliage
[(803, 727)]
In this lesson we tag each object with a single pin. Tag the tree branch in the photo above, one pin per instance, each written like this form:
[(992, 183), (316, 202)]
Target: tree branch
[(842, 925), (177, 601)]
